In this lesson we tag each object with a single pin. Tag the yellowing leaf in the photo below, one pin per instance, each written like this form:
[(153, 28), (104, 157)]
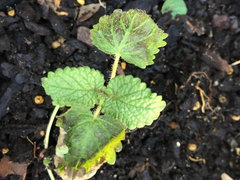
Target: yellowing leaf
[(132, 34), (89, 140), (93, 164)]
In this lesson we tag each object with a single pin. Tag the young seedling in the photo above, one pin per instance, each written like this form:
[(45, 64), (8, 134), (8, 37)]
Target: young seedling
[(88, 139), (176, 7)]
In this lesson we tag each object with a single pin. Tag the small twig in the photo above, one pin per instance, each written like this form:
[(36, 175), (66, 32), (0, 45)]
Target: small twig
[(34, 150), (202, 96), (34, 146), (197, 159), (196, 74), (29, 140), (102, 4), (236, 63), (24, 176), (156, 171), (202, 93)]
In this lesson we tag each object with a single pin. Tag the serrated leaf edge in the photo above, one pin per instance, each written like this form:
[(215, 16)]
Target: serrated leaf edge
[(66, 70), (137, 12), (151, 95), (107, 153)]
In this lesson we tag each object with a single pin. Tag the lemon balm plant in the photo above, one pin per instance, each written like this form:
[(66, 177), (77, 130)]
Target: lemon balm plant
[(94, 125)]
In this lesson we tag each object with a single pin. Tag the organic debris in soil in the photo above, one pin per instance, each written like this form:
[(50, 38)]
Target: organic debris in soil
[(83, 35), (26, 55), (8, 167), (214, 60)]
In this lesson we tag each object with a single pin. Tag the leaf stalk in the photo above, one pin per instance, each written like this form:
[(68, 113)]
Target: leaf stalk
[(97, 112), (115, 65), (46, 139), (49, 126), (113, 74), (50, 173)]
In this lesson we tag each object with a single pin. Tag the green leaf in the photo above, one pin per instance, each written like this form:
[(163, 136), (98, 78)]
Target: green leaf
[(87, 138), (132, 34), (71, 86), (47, 161), (132, 103), (176, 7)]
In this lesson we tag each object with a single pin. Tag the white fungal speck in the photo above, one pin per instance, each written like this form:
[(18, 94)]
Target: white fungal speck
[(178, 144), (216, 83)]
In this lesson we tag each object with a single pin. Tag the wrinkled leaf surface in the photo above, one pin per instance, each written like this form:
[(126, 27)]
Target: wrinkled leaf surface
[(86, 138), (132, 34), (132, 102), (71, 86)]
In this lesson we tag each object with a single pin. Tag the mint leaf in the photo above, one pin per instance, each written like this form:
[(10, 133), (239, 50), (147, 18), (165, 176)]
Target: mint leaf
[(131, 102), (132, 34), (87, 138), (71, 86), (176, 7)]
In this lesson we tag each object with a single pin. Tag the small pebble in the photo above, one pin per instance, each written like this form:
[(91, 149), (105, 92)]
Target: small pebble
[(152, 82), (5, 150), (197, 106), (81, 2), (55, 44), (222, 99), (20, 78), (42, 133), (38, 100), (174, 125), (214, 117), (61, 40), (225, 176), (192, 147), (178, 144), (237, 149), (221, 21), (123, 65), (235, 118), (216, 83), (230, 71), (11, 13)]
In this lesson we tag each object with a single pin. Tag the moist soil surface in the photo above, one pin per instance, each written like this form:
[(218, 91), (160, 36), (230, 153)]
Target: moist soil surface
[(197, 136)]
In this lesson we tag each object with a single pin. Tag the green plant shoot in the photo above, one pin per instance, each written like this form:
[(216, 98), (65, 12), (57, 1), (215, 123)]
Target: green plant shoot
[(92, 129), (176, 7)]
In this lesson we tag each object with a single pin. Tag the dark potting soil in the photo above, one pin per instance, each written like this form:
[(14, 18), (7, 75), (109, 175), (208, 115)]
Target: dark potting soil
[(188, 141)]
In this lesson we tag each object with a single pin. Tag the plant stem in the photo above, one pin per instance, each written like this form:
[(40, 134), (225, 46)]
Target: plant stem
[(50, 173), (115, 65), (97, 111), (49, 126), (46, 139), (113, 74)]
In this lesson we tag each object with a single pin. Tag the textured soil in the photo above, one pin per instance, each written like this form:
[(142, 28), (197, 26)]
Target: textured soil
[(195, 66)]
